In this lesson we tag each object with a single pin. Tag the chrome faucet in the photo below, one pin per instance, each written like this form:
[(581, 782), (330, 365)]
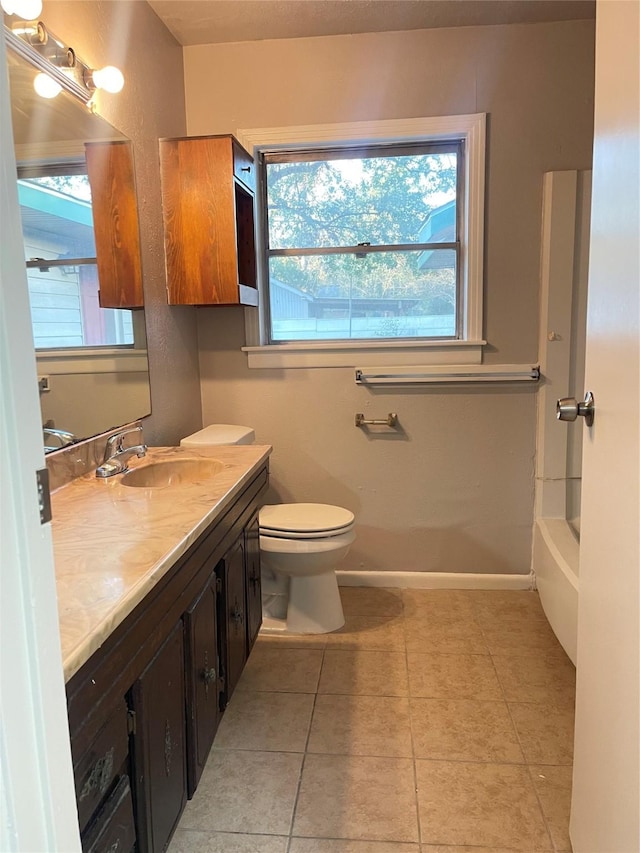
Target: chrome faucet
[(61, 435), (116, 454)]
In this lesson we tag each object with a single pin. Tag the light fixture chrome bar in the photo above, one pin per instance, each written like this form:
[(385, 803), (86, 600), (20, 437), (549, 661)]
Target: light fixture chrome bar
[(420, 375), (361, 250), (31, 55)]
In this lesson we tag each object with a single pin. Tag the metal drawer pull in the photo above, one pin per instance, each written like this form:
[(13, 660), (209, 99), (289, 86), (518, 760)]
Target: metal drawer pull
[(391, 420), (245, 169)]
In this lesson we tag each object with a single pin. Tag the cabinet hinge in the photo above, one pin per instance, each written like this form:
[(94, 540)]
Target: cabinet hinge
[(219, 585), (44, 496), (131, 722)]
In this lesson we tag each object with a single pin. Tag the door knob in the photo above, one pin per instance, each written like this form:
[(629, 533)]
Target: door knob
[(568, 409)]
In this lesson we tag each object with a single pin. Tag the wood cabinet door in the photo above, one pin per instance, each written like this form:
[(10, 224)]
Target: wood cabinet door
[(160, 783), (203, 680), (115, 223), (254, 581), (234, 623)]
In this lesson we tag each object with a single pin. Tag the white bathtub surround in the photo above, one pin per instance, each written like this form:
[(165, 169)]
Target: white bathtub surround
[(564, 269)]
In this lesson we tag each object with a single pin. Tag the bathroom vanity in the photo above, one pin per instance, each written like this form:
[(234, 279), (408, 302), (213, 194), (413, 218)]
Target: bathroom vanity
[(160, 603)]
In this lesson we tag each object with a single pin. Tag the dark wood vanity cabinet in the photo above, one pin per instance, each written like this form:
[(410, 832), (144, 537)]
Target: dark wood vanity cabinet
[(159, 743), (205, 681), (144, 709), (253, 580)]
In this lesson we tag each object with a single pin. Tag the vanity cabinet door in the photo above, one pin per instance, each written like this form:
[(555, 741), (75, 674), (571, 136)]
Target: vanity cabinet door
[(160, 771), (233, 616), (203, 680), (254, 581)]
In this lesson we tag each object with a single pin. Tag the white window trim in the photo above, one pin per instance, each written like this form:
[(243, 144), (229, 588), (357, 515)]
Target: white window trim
[(467, 350)]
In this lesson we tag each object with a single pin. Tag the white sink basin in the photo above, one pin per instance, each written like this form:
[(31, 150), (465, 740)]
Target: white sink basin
[(173, 472)]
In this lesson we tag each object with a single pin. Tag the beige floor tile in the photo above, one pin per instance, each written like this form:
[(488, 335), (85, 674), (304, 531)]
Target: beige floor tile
[(439, 601), (282, 670), (364, 673), (357, 797), (464, 730), (292, 641), (547, 679), (446, 633), (479, 804), (545, 732), (553, 786), (250, 792), (371, 601), (276, 722), (444, 676), (375, 633), (506, 604), (319, 845), (528, 637), (194, 841), (361, 725), (447, 848)]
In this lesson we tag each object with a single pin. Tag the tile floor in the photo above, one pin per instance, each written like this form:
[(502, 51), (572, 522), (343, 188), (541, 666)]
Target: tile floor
[(435, 721)]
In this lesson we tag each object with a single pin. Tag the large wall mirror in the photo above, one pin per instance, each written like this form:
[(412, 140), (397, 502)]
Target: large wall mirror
[(80, 223)]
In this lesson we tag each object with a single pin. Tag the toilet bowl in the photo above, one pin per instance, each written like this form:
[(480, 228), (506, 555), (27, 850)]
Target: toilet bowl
[(300, 546)]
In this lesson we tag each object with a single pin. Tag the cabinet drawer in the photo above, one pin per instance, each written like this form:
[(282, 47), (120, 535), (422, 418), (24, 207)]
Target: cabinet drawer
[(244, 167), (96, 772), (114, 828)]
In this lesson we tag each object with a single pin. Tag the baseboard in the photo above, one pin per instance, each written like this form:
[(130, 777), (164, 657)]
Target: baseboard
[(434, 580)]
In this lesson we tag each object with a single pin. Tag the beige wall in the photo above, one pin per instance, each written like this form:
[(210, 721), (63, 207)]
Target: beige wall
[(151, 105), (454, 492)]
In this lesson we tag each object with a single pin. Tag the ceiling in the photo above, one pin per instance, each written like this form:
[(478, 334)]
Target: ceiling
[(216, 21)]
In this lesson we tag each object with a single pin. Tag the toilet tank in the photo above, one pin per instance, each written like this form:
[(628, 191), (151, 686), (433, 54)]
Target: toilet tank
[(219, 434)]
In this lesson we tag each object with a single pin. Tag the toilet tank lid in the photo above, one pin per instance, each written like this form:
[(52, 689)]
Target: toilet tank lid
[(219, 434)]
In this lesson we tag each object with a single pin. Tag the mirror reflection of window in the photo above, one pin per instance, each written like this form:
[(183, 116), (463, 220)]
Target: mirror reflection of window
[(57, 222)]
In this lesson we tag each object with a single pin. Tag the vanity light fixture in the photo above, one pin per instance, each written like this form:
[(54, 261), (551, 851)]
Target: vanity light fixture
[(58, 63), (28, 9), (46, 86)]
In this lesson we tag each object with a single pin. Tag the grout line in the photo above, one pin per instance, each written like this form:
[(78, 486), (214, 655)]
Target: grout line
[(304, 756), (413, 749)]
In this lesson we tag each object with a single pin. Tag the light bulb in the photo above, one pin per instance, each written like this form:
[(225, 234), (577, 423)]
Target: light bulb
[(108, 78), (46, 86), (27, 9)]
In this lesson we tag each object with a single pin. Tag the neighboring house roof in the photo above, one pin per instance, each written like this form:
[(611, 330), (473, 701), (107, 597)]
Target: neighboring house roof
[(59, 217), (438, 227)]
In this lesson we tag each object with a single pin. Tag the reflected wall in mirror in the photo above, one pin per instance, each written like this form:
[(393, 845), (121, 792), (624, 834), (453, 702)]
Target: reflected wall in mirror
[(80, 224)]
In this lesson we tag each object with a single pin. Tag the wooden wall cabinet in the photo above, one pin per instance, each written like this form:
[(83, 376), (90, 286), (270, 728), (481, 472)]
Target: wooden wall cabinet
[(115, 223), (208, 204), (144, 709)]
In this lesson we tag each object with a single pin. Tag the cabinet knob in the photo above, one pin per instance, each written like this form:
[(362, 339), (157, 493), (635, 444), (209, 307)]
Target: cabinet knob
[(237, 615), (208, 676)]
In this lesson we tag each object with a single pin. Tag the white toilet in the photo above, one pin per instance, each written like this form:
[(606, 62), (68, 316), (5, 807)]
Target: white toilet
[(300, 546)]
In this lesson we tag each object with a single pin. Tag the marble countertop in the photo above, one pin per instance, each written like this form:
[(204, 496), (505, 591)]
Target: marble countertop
[(113, 543)]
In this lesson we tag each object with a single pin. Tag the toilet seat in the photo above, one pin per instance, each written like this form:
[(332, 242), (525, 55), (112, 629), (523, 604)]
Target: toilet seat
[(305, 521)]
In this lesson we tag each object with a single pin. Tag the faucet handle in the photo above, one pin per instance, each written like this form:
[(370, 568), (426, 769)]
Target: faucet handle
[(115, 442)]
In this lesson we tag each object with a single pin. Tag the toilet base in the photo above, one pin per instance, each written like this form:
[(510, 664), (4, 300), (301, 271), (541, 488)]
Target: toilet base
[(315, 607)]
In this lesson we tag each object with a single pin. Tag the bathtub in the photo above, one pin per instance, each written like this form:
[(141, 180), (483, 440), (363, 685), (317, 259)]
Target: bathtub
[(556, 560)]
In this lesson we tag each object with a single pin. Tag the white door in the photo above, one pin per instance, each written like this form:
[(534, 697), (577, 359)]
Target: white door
[(605, 816), (37, 797)]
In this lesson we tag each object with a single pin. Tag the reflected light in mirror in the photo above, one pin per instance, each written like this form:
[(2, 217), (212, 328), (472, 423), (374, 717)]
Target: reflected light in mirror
[(46, 86)]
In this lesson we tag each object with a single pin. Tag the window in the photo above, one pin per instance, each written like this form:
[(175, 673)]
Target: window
[(335, 303), (57, 223), (363, 244)]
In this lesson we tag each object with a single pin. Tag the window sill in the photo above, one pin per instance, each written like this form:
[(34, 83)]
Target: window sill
[(123, 359), (356, 353)]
